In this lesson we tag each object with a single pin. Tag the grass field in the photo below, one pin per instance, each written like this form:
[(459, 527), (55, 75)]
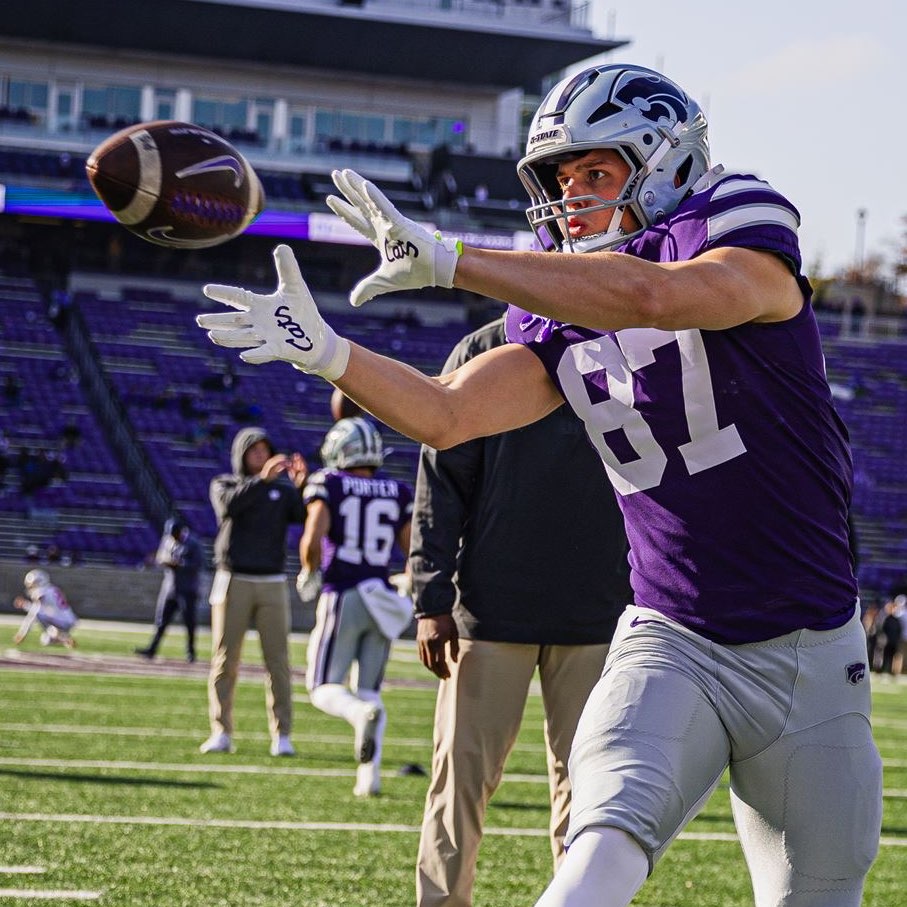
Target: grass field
[(104, 796)]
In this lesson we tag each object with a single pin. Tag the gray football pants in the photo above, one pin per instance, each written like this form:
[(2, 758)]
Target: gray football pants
[(346, 643), (790, 716)]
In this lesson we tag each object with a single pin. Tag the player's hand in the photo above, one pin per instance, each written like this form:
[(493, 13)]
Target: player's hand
[(411, 257), (308, 584), (433, 634), (284, 325)]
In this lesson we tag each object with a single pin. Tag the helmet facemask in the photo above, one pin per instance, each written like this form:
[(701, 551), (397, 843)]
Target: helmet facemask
[(648, 120), (550, 212)]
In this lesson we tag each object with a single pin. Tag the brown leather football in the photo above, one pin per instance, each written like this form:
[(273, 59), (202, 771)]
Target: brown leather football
[(175, 184)]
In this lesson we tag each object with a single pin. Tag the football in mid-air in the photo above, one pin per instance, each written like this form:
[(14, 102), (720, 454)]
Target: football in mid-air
[(175, 184)]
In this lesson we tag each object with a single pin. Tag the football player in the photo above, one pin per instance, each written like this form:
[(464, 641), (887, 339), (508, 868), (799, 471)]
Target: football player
[(670, 311), (353, 520), (46, 604)]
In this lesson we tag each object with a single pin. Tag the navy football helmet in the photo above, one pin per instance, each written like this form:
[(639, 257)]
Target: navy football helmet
[(352, 442), (646, 118)]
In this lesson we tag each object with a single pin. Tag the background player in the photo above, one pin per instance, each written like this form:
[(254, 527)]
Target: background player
[(180, 554), (353, 519), (46, 604), (684, 338)]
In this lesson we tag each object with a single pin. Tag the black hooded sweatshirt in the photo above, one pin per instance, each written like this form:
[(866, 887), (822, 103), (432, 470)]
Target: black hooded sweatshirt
[(252, 515)]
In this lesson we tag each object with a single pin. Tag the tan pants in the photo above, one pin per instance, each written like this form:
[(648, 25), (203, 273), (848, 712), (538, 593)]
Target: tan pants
[(477, 718), (266, 607)]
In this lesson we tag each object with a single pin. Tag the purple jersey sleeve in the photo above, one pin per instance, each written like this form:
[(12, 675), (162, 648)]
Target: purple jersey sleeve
[(731, 465), (366, 515)]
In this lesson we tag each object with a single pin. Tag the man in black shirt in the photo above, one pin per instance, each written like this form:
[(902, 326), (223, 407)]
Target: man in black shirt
[(254, 506), (504, 584)]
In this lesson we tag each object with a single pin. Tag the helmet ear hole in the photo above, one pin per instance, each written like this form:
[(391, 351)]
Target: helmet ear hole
[(683, 171)]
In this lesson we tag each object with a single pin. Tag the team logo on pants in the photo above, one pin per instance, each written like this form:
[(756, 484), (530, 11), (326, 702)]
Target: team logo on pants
[(856, 672)]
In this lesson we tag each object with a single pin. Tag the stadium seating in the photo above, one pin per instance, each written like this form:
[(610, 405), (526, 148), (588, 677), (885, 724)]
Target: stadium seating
[(82, 503), (870, 376), (170, 381)]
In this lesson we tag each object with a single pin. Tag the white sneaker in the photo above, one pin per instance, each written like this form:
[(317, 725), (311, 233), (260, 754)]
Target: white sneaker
[(366, 728), (368, 781), (217, 743), (281, 746)]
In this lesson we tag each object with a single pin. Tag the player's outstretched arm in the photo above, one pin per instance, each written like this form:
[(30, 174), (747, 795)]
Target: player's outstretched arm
[(503, 389), (411, 256)]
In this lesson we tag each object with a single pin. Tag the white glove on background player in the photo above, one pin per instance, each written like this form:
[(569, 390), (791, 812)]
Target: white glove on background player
[(284, 325), (411, 257), (308, 584)]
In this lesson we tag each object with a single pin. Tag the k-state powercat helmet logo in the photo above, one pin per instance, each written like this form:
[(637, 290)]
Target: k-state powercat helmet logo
[(656, 99)]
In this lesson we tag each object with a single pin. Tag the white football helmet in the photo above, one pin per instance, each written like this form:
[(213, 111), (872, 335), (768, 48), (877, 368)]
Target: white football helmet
[(646, 118), (352, 442), (36, 579)]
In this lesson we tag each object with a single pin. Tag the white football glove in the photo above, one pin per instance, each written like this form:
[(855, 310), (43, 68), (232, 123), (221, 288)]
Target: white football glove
[(411, 257), (284, 325), (308, 584)]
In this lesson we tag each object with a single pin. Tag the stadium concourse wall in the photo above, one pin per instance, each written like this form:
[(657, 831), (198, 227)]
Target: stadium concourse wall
[(121, 593)]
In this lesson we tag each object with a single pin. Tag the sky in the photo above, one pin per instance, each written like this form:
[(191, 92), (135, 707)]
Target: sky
[(811, 95)]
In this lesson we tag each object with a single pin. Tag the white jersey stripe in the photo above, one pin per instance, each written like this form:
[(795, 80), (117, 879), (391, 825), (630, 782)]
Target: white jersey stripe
[(749, 216), (732, 186)]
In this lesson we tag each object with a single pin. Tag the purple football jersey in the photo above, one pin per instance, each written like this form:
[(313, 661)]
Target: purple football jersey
[(730, 463), (367, 513)]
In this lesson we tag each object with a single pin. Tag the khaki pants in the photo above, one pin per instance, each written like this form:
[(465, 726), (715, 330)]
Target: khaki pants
[(266, 607), (477, 718)]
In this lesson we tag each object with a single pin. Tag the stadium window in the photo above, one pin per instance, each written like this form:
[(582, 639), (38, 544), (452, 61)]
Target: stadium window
[(164, 105), (27, 100), (431, 132), (111, 105), (227, 116), (263, 118), (298, 131), (358, 129), (65, 107)]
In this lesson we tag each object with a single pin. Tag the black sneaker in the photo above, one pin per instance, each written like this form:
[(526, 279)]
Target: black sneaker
[(145, 653)]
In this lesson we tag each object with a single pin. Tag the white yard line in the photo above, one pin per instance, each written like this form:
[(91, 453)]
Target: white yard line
[(381, 827), (36, 894), (287, 770), (21, 870), (250, 740)]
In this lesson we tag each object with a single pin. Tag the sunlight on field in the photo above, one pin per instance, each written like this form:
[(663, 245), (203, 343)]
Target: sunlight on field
[(106, 798)]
